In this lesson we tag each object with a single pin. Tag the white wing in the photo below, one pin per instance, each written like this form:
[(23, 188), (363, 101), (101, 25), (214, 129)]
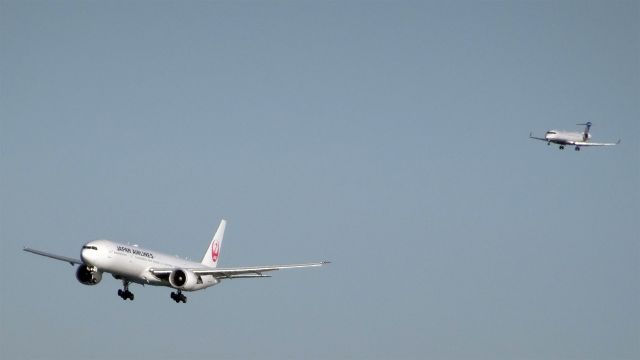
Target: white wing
[(238, 272), (537, 138), (71, 261), (583, 143)]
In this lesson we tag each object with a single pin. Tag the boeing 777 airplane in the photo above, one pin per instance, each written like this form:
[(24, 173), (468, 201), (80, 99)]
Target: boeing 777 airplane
[(132, 264), (576, 139)]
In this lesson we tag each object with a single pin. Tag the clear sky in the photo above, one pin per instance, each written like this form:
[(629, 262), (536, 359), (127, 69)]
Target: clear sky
[(388, 137)]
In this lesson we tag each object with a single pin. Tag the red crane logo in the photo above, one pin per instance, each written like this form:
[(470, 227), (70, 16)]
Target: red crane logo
[(215, 251)]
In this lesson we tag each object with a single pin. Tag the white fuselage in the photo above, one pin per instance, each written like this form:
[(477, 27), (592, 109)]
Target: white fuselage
[(565, 137), (133, 263)]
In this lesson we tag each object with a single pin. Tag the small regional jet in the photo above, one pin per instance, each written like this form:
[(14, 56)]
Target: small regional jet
[(132, 264), (576, 139)]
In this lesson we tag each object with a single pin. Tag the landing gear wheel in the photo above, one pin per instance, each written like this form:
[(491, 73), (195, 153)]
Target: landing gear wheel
[(577, 148), (561, 147), (125, 294), (177, 297)]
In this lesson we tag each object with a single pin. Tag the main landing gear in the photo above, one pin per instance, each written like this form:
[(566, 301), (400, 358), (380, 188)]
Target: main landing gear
[(577, 148), (177, 297), (561, 147), (125, 294)]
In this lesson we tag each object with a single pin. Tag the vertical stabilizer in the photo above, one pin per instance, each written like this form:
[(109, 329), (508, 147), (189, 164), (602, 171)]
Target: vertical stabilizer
[(212, 255), (585, 134)]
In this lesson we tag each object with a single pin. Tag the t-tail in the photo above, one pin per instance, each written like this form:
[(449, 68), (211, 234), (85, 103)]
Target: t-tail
[(212, 255), (585, 134)]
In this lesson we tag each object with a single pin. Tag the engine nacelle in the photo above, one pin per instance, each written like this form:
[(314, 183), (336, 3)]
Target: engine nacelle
[(86, 275), (185, 280)]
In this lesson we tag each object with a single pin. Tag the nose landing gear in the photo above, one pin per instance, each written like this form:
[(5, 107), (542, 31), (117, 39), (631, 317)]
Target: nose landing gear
[(177, 297), (125, 294)]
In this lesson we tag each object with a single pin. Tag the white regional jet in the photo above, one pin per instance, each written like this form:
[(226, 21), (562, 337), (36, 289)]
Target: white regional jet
[(132, 264), (576, 139)]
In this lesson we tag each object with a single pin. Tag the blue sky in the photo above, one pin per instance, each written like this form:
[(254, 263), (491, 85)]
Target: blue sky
[(388, 137)]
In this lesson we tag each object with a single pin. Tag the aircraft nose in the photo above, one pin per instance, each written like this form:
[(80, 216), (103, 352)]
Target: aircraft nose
[(85, 256), (88, 254)]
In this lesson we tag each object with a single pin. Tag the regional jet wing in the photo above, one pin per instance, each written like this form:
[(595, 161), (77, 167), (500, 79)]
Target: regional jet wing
[(537, 138), (584, 143), (238, 272), (71, 261)]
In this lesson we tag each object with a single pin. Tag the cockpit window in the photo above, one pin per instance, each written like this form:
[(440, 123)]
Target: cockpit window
[(90, 247), (551, 132)]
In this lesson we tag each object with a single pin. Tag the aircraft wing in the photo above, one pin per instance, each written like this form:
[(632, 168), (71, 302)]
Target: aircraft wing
[(584, 143), (537, 138), (71, 261), (238, 272)]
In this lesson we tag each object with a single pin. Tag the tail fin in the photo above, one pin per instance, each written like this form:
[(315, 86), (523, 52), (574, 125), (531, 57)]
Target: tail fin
[(585, 134), (212, 255)]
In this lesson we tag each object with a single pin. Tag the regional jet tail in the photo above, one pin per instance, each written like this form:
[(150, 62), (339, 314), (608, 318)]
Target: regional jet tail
[(576, 139), (132, 264)]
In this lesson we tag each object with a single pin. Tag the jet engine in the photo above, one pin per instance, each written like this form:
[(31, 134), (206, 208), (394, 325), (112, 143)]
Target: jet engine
[(184, 280), (87, 275)]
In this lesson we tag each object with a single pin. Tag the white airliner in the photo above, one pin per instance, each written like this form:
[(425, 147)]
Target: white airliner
[(132, 264), (576, 139)]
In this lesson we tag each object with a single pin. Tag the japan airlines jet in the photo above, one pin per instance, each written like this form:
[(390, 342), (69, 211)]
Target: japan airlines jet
[(132, 264), (576, 139)]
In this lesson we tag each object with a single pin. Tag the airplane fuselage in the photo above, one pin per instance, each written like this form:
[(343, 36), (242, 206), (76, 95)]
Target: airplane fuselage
[(132, 263), (565, 137)]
